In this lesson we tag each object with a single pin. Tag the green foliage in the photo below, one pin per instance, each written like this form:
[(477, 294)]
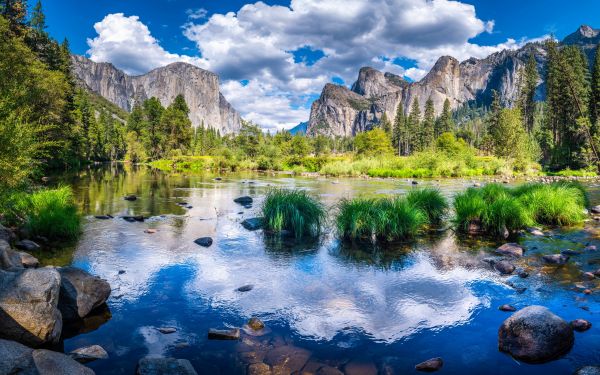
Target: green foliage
[(373, 142), (294, 211), (556, 204), (430, 201), (504, 212), (469, 208)]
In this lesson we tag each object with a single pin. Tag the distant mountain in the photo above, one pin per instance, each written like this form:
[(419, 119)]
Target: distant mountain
[(345, 112), (299, 129), (199, 87)]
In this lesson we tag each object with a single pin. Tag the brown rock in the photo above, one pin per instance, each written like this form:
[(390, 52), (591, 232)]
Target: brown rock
[(360, 368), (259, 369), (430, 365), (580, 325), (80, 293), (510, 249), (287, 358)]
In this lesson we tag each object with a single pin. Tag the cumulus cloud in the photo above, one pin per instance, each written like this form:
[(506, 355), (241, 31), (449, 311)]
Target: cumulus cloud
[(257, 44), (195, 14)]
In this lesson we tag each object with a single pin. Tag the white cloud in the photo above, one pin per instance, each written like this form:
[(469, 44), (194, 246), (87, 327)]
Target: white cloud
[(255, 44)]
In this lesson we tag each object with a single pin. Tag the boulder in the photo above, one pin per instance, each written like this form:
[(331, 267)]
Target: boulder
[(504, 267), (254, 223), (570, 252), (29, 310), (167, 330), (89, 354), (556, 259), (6, 234), (130, 198), (103, 217), (508, 308), (360, 368), (430, 365), (134, 218), (534, 334), (165, 366), (535, 232), (245, 288), (590, 248), (53, 363), (243, 200), (80, 293), (588, 370), (256, 324), (224, 334), (580, 325), (15, 358), (510, 249), (259, 369), (286, 359), (595, 209), (204, 241), (27, 245), (28, 260), (9, 259)]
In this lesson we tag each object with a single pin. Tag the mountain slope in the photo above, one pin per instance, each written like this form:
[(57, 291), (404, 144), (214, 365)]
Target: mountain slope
[(199, 87), (345, 112)]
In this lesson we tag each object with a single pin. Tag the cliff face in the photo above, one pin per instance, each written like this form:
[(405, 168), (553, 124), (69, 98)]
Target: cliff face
[(199, 87), (336, 112)]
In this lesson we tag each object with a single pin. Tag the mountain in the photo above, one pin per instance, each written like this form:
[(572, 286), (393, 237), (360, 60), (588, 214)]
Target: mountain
[(342, 111), (199, 87), (299, 129)]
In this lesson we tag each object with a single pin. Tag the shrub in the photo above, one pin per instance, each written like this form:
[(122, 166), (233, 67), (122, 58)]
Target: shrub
[(293, 210), (431, 201), (52, 214)]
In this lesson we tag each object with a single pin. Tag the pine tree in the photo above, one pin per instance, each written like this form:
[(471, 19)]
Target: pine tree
[(399, 130), (595, 94), (414, 127), (428, 125), (527, 94), (15, 12), (153, 136), (177, 126), (444, 123), (385, 124), (38, 18)]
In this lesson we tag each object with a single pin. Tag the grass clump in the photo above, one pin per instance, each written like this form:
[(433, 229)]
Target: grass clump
[(497, 208), (430, 201), (294, 211), (52, 213)]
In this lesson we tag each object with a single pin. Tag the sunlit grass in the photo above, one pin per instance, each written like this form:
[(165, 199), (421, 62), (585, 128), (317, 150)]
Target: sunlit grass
[(294, 211), (431, 201), (51, 213)]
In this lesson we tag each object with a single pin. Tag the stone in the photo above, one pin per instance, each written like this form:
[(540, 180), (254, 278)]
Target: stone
[(256, 324), (80, 293), (103, 217), (243, 200), (357, 367), (167, 330), (430, 365), (164, 366), (204, 241), (595, 209), (287, 358), (15, 358), (510, 249), (555, 259), (217, 178), (52, 363), (259, 369), (504, 267), (570, 252), (134, 218), (89, 354), (9, 259), (588, 276), (508, 308), (580, 325), (254, 223), (29, 306), (474, 228), (224, 334), (130, 198), (535, 335), (6, 234), (415, 182), (588, 370), (150, 231), (535, 232), (523, 274), (245, 288), (28, 260), (328, 370), (590, 248), (27, 245)]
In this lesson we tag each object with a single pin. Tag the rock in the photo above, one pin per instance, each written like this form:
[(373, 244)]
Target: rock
[(29, 306), (360, 368), (590, 248), (28, 260), (570, 252), (259, 369), (256, 324), (287, 359), (132, 219), (504, 267), (477, 184), (328, 370), (508, 308), (167, 330), (534, 334), (204, 241), (535, 232), (6, 234), (555, 259), (224, 334), (523, 274), (130, 198), (474, 228), (103, 217), (10, 260), (254, 223), (595, 209), (27, 245), (165, 366), (244, 200), (588, 370), (217, 178), (587, 291), (150, 231), (588, 276), (510, 249), (430, 365), (80, 293), (89, 354), (580, 325), (415, 182), (245, 288), (15, 358), (52, 363)]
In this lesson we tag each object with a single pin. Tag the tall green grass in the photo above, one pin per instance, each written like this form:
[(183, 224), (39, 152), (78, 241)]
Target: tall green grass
[(50, 213), (431, 201), (294, 211), (497, 207)]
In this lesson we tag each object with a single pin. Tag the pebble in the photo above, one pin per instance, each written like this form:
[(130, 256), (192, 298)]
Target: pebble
[(167, 330), (507, 307), (580, 325)]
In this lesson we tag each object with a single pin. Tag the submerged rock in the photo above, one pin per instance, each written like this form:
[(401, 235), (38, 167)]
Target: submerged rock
[(555, 259), (204, 241), (27, 245), (244, 200), (580, 325), (165, 366), (49, 362), (29, 306), (510, 249), (132, 219), (504, 267), (430, 365), (588, 370), (508, 308), (534, 334), (259, 369), (103, 217), (287, 359), (167, 330), (535, 232), (89, 354), (256, 324), (224, 334), (80, 293), (254, 223), (360, 368), (570, 252), (590, 248), (245, 288), (130, 198)]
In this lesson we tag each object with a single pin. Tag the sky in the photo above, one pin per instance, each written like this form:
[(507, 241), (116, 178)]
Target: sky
[(274, 57)]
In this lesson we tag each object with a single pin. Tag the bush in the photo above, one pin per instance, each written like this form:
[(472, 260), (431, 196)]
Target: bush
[(294, 211), (431, 201), (52, 214)]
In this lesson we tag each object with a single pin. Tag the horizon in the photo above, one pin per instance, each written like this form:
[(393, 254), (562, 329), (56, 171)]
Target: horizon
[(272, 71)]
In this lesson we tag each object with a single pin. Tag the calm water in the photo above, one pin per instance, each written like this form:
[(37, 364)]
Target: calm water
[(340, 305)]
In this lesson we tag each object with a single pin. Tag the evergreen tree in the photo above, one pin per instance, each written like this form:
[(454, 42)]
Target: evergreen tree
[(399, 135), (177, 126), (444, 123), (413, 127), (428, 125), (135, 122), (153, 136), (38, 18), (595, 94), (15, 12), (527, 94), (385, 124)]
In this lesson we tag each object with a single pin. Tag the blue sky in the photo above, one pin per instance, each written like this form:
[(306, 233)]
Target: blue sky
[(273, 57)]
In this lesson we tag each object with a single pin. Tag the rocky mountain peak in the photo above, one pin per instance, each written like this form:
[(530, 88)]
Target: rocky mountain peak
[(373, 83), (584, 35)]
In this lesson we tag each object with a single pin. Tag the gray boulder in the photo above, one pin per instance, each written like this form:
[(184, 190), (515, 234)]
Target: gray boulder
[(165, 366), (254, 223), (29, 306), (204, 241), (504, 267), (52, 363), (556, 259), (588, 370), (243, 200), (534, 334), (89, 354), (15, 260), (510, 249), (27, 245), (6, 234), (80, 293), (15, 358)]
